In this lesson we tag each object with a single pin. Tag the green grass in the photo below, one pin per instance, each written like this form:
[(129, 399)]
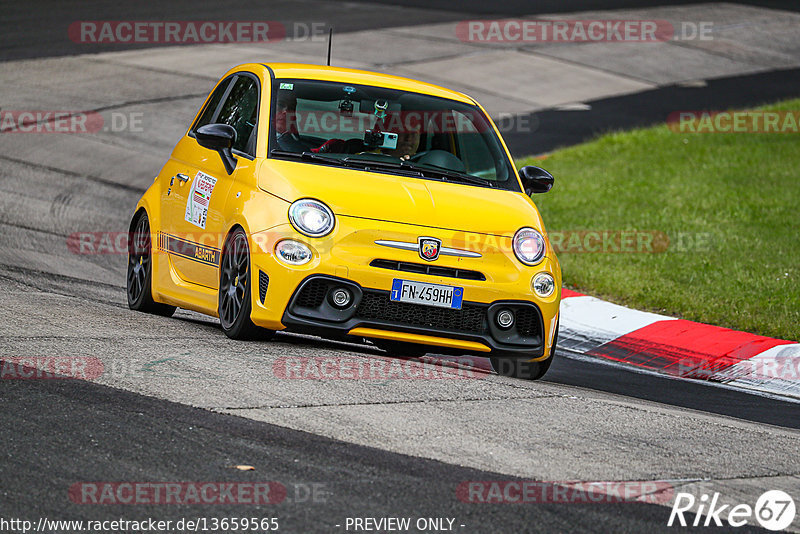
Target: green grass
[(740, 191)]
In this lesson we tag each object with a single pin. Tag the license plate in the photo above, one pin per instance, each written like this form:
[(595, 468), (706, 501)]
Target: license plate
[(428, 294)]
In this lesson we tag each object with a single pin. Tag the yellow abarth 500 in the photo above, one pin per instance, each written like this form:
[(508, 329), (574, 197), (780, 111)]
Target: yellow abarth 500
[(339, 202)]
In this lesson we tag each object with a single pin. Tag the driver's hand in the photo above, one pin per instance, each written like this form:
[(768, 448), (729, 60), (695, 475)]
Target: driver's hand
[(333, 145)]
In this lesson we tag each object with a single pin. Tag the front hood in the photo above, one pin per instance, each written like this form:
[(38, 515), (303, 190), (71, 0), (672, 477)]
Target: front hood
[(421, 202)]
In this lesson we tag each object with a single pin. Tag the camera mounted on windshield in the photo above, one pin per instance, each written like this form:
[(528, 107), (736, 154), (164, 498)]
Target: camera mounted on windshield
[(375, 138)]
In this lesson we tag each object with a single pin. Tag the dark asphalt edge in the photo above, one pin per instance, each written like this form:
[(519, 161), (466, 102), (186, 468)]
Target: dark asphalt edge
[(696, 395), (108, 434), (553, 128), (543, 7), (44, 33)]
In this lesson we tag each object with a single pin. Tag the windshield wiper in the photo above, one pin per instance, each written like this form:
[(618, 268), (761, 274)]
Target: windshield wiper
[(371, 163), (313, 156), (456, 175), (348, 161), (427, 170)]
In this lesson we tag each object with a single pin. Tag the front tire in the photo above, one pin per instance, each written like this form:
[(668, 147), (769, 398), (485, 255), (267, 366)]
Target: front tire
[(521, 368), (140, 270), (235, 302)]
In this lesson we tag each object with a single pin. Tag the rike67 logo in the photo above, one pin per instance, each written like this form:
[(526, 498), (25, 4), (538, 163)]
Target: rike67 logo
[(774, 510)]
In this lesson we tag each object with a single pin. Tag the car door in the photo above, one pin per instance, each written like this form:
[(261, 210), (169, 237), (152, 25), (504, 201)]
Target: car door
[(198, 184)]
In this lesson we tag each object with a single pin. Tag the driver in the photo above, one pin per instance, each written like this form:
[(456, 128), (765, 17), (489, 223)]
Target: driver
[(285, 108), (407, 143), (286, 122), (288, 136), (408, 135)]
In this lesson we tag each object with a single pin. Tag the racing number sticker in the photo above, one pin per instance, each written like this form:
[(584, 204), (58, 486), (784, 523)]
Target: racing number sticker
[(199, 197)]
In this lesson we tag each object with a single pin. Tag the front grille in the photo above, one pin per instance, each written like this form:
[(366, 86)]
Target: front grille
[(433, 270), (527, 322), (263, 284), (377, 306), (313, 294)]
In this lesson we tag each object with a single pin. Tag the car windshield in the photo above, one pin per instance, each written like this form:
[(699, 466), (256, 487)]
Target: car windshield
[(387, 130)]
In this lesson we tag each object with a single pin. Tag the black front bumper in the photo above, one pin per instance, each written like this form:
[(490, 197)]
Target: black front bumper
[(311, 311)]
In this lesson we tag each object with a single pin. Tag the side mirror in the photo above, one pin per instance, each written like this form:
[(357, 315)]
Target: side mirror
[(535, 180), (219, 137)]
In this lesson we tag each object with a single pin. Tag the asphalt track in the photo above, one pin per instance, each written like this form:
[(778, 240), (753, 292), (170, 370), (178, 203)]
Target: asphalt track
[(39, 28), (180, 402), (124, 436)]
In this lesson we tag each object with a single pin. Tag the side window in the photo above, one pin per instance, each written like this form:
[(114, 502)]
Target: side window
[(240, 110), (207, 117), (476, 152)]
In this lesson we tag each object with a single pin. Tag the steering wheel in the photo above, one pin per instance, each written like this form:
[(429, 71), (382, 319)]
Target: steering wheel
[(291, 143), (439, 158)]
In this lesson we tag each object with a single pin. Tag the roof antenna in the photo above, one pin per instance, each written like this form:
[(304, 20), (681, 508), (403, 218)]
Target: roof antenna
[(330, 37)]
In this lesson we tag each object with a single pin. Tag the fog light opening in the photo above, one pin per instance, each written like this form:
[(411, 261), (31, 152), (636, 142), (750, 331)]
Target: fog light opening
[(341, 297), (505, 319)]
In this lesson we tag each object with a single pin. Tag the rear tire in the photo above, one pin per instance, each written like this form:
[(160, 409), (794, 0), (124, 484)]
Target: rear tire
[(235, 303), (521, 368), (140, 270)]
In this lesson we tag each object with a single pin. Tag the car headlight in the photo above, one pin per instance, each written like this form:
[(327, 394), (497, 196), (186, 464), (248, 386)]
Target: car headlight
[(529, 247), (293, 252), (311, 217), (543, 284)]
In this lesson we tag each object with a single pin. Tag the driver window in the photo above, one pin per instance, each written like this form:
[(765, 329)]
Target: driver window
[(210, 111), (240, 110)]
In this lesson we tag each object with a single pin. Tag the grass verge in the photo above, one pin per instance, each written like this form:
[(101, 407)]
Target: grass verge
[(728, 203)]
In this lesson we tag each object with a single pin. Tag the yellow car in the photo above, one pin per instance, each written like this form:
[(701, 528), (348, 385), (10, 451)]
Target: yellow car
[(339, 202)]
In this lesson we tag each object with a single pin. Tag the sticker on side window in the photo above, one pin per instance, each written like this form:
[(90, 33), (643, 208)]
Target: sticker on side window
[(199, 198)]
